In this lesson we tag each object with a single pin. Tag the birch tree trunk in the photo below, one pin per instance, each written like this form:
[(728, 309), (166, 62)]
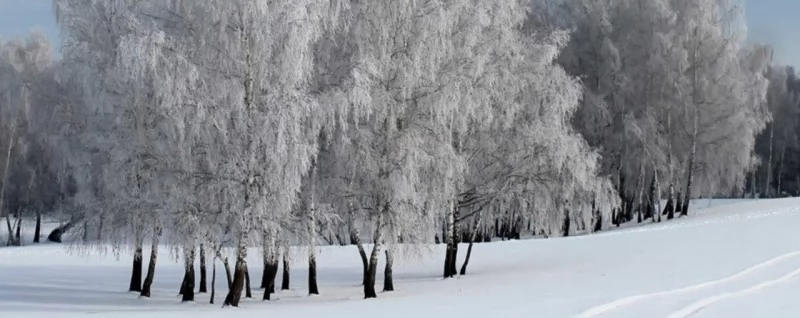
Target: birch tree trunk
[(213, 280), (768, 175), (151, 267), (471, 242), (779, 177), (450, 238), (657, 196), (228, 276), (5, 180), (248, 293), (355, 237), (270, 268), (202, 288), (641, 192), (670, 207), (312, 257), (388, 283), (286, 276), (136, 274), (187, 288), (369, 280), (235, 292), (37, 232), (693, 151)]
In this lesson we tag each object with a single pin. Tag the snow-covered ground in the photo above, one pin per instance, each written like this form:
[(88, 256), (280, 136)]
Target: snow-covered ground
[(739, 259)]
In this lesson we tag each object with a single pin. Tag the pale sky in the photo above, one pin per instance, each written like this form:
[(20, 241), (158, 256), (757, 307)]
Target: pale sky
[(773, 22)]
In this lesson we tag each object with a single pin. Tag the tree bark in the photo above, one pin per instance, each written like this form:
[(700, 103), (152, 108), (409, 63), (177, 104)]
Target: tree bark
[(471, 242), (265, 270), (312, 275), (5, 178), (312, 257), (37, 232), (285, 278), (598, 219), (768, 175), (55, 235), (235, 292), (388, 284), (693, 151), (187, 287), (451, 252), (17, 234), (136, 274), (669, 209), (369, 280), (779, 176), (151, 267), (228, 275), (355, 237), (272, 273), (202, 288), (248, 293), (656, 195), (213, 280)]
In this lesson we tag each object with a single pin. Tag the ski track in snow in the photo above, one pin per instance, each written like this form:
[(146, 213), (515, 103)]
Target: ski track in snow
[(699, 305), (705, 302)]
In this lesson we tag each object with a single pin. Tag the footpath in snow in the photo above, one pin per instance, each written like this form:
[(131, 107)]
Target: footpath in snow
[(738, 259)]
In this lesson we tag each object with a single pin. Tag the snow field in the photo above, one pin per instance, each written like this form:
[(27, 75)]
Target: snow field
[(735, 260)]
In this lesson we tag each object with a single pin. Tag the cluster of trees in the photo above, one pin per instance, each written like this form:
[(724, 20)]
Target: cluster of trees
[(222, 125), (778, 146), (29, 183)]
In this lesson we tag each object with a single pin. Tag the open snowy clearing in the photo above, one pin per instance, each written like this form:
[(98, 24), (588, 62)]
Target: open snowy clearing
[(739, 259)]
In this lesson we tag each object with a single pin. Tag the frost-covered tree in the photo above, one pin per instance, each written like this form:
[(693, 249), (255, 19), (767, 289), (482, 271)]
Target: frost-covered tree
[(26, 183)]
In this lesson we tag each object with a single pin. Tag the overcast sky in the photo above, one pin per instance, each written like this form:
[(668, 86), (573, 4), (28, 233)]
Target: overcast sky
[(773, 22)]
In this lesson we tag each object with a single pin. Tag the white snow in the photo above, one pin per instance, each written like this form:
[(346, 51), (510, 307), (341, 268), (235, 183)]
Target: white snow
[(737, 259)]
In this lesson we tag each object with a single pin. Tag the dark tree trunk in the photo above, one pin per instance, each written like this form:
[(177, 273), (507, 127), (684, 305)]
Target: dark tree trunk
[(471, 242), (136, 274), (622, 212), (151, 267), (312, 274), (265, 272), (213, 280), (679, 204), (228, 276), (654, 199), (55, 235), (451, 253), (388, 284), (566, 224), (248, 293), (369, 280), (235, 292), (202, 288), (285, 278), (272, 273), (669, 209), (18, 237), (364, 260), (598, 217), (38, 230), (187, 288)]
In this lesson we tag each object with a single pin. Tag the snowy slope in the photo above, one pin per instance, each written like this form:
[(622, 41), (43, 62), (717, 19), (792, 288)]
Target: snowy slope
[(739, 259)]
